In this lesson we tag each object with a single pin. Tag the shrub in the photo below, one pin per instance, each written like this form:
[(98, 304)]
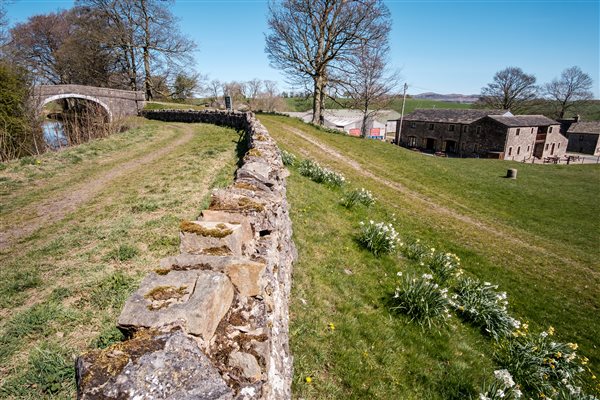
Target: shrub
[(541, 365), (314, 171), (379, 238), (288, 158), (358, 196), (424, 301), (479, 303)]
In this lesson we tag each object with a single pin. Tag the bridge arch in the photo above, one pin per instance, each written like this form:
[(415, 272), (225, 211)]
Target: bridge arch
[(77, 96)]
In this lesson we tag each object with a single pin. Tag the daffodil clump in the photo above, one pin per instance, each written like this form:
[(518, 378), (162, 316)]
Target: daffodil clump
[(319, 174), (479, 303), (358, 196), (414, 249), (423, 300), (288, 158), (551, 369), (443, 265), (379, 238), (502, 387)]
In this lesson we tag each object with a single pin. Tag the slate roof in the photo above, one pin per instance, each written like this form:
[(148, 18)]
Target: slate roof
[(592, 127), (524, 120), (457, 116)]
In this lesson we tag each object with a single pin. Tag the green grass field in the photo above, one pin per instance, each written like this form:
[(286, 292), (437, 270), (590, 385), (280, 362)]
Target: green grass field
[(302, 104), (536, 237), (102, 215)]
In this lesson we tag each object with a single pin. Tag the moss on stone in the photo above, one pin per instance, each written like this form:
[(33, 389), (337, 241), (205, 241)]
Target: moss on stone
[(254, 153), (239, 204), (162, 271), (216, 251), (162, 293), (245, 185), (219, 231)]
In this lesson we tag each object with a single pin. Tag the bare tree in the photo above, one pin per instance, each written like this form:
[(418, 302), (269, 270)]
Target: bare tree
[(253, 89), (270, 98), (510, 89), (235, 90), (367, 82), (573, 85), (308, 38), (146, 32), (59, 48), (213, 90)]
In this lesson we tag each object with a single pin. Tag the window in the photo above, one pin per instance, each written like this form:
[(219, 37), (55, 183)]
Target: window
[(518, 131), (518, 150), (509, 151), (528, 147), (474, 148), (547, 146), (465, 129), (550, 130), (559, 145), (478, 130), (412, 141), (581, 138), (451, 128), (430, 127), (413, 124)]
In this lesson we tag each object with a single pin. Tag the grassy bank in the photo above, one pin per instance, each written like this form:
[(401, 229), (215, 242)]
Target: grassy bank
[(62, 285), (535, 237)]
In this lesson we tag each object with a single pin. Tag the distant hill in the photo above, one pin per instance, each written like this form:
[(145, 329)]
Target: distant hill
[(451, 98)]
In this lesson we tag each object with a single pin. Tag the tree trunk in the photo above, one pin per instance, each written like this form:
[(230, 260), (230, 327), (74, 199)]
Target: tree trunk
[(318, 96), (146, 51)]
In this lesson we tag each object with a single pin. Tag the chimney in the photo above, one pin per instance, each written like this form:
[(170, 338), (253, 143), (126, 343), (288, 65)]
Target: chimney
[(577, 118)]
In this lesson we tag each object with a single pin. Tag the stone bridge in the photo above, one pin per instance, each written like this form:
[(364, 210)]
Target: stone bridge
[(117, 103)]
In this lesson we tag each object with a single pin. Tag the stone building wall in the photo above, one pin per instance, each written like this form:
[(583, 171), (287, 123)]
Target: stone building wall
[(520, 143), (586, 143), (556, 144), (211, 322)]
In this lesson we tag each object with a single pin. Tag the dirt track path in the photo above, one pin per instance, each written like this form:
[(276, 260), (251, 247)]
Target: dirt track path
[(57, 207), (513, 237)]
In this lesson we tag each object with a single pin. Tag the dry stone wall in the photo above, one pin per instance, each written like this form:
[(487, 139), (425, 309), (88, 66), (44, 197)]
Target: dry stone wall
[(211, 322)]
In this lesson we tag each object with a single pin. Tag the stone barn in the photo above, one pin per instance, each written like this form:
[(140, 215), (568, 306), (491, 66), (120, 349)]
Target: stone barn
[(483, 133), (583, 138)]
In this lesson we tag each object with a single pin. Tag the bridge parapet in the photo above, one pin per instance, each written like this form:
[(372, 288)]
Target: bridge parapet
[(117, 103)]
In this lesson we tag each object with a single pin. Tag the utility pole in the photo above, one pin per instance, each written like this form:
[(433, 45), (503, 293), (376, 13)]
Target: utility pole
[(399, 128)]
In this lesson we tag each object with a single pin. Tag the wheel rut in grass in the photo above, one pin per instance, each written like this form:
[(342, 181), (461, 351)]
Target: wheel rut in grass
[(56, 208), (428, 202)]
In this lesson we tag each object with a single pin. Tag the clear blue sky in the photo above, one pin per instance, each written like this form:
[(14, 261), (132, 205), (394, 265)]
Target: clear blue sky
[(440, 46)]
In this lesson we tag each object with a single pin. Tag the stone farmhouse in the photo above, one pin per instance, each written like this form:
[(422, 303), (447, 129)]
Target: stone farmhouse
[(483, 133), (583, 138), (381, 125)]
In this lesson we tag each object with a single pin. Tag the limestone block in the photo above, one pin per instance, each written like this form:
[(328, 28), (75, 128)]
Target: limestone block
[(211, 238), (163, 366), (196, 299), (230, 218), (246, 277), (247, 364)]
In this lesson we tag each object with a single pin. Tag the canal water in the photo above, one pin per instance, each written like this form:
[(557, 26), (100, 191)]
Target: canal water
[(54, 134)]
